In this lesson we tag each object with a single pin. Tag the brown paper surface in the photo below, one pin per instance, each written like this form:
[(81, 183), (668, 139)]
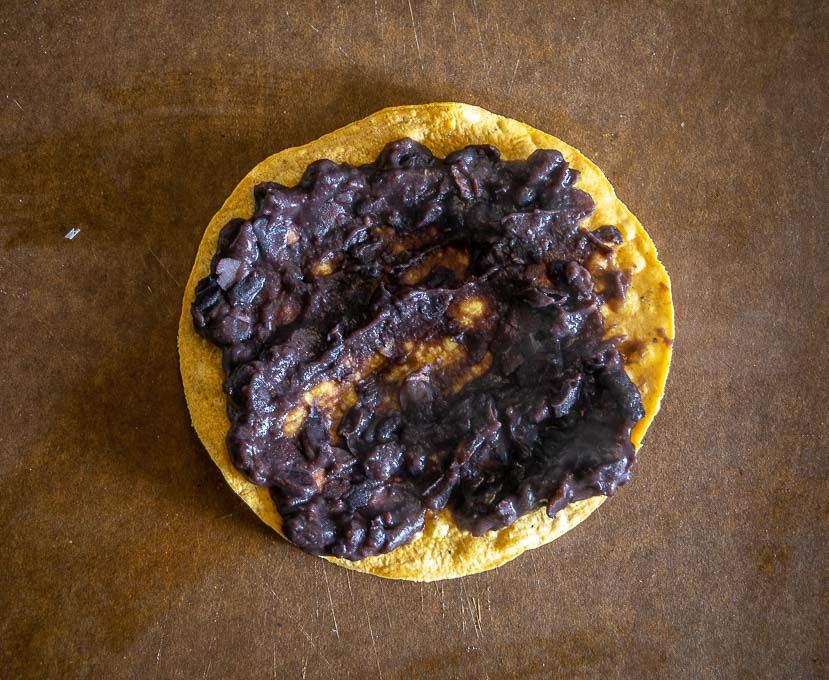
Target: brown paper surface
[(125, 554)]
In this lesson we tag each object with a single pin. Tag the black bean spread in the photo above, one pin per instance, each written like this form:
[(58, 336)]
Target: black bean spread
[(417, 334)]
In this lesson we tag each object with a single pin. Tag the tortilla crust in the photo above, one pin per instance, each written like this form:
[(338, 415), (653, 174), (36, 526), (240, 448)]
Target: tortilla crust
[(442, 550)]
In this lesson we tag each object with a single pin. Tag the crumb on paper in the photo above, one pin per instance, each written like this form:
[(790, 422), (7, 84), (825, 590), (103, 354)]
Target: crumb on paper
[(72, 233)]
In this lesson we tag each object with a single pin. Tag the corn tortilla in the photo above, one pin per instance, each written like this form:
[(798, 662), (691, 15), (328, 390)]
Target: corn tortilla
[(442, 550)]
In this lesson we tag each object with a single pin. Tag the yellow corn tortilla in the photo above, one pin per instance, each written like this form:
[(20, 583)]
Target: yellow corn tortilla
[(442, 550)]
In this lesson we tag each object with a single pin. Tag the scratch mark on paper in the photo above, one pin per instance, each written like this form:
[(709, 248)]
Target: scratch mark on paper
[(314, 645), (386, 607), (373, 643), (350, 590), (442, 600), (489, 601), (18, 103), (417, 40), (304, 20), (345, 54), (160, 643), (316, 589), (274, 576), (480, 36), (207, 670), (163, 266), (382, 36), (455, 31), (268, 586), (725, 363), (473, 606), (514, 72), (475, 610), (330, 601), (461, 596)]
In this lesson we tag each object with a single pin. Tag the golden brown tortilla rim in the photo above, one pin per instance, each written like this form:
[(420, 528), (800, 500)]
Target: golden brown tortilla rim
[(442, 550)]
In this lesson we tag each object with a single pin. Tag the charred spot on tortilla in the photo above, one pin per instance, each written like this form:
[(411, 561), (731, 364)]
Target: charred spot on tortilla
[(424, 348)]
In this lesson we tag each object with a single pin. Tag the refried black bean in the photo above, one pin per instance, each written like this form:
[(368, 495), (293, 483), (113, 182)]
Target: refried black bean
[(322, 300)]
